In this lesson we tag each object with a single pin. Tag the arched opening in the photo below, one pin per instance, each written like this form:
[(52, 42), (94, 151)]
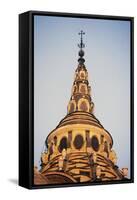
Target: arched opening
[(63, 144), (95, 143), (78, 141), (83, 106)]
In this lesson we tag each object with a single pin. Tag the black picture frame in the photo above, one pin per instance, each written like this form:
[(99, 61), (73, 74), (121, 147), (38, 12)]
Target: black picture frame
[(26, 97)]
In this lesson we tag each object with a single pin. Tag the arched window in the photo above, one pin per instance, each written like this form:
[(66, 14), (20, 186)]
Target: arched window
[(63, 144), (71, 106), (78, 141), (95, 143), (83, 106)]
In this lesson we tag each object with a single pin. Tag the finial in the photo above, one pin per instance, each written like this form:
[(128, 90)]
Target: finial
[(81, 45)]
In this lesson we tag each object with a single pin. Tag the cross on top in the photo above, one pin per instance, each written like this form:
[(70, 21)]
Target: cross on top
[(81, 33), (81, 45)]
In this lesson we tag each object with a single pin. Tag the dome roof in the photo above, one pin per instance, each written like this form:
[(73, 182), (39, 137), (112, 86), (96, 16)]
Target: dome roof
[(80, 117)]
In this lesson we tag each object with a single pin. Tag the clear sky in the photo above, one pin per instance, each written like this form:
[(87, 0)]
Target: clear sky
[(107, 55)]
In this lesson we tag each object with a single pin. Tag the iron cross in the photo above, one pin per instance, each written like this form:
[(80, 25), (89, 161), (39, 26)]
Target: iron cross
[(81, 33), (81, 45)]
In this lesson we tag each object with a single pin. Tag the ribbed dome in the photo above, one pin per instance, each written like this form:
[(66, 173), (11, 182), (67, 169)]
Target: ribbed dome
[(79, 117)]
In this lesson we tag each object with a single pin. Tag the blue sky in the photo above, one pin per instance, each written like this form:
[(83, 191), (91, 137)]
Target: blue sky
[(107, 55)]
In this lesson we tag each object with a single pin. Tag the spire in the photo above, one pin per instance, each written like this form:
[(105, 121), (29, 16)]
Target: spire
[(81, 91), (81, 45)]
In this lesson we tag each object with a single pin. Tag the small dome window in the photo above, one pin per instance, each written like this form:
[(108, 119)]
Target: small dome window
[(95, 143), (78, 141), (63, 144), (83, 106)]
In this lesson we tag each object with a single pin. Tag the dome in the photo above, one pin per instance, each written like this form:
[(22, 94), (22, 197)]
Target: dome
[(79, 117)]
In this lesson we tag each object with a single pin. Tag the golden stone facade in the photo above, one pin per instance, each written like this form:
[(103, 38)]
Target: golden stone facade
[(79, 149)]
